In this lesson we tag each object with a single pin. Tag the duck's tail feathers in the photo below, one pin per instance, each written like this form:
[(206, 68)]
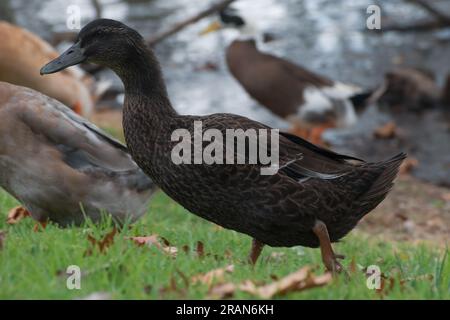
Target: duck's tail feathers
[(362, 100), (136, 179), (359, 101), (384, 183)]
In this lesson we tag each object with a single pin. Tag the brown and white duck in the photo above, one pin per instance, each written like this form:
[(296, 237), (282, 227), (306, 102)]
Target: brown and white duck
[(309, 101), (22, 53), (61, 167), (315, 198)]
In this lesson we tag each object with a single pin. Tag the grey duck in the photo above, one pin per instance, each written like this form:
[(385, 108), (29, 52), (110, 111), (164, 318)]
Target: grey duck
[(61, 167), (316, 198)]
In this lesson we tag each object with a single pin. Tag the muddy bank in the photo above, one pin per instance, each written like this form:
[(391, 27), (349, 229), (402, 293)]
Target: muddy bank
[(414, 211)]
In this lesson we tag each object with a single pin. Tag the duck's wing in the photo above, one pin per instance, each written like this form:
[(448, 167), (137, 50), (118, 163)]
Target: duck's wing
[(314, 161), (298, 158), (331, 89), (83, 145), (298, 72)]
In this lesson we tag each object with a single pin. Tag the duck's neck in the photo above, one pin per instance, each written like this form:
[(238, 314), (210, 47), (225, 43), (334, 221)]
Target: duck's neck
[(248, 32), (145, 90)]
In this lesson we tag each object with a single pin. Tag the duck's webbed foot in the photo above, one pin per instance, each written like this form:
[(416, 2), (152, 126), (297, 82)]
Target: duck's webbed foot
[(329, 258), (255, 252), (299, 132), (332, 264), (315, 134), (16, 214)]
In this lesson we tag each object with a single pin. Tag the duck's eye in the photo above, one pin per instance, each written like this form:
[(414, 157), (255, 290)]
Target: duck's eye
[(238, 21), (92, 37)]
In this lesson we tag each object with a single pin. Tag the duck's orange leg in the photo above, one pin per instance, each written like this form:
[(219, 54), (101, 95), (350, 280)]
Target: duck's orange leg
[(16, 214), (329, 258), (299, 132), (255, 252), (315, 135)]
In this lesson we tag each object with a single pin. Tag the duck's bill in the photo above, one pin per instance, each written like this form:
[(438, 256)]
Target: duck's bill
[(72, 56), (213, 27)]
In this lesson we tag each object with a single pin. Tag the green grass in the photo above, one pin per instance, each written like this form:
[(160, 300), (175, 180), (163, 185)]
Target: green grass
[(33, 264)]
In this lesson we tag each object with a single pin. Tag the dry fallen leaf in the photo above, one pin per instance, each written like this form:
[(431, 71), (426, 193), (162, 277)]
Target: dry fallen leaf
[(298, 281), (408, 165), (222, 291), (213, 275), (387, 131), (102, 244), (155, 241), (16, 214)]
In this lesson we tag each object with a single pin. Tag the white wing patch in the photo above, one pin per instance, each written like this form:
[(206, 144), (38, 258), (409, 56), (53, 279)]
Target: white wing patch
[(341, 91), (334, 98), (315, 101)]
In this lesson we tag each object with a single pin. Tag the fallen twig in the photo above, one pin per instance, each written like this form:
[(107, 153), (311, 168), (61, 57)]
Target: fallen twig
[(423, 26), (425, 5), (181, 25), (441, 20)]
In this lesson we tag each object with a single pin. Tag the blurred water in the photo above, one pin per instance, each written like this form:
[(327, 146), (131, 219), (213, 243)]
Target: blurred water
[(327, 36)]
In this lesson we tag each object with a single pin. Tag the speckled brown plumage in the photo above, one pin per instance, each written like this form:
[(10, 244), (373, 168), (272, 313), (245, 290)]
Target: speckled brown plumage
[(278, 210)]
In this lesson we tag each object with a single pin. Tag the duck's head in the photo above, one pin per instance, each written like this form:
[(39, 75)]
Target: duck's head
[(105, 42), (230, 18)]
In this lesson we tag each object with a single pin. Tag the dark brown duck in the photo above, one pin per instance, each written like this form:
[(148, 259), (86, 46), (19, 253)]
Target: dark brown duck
[(316, 198)]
